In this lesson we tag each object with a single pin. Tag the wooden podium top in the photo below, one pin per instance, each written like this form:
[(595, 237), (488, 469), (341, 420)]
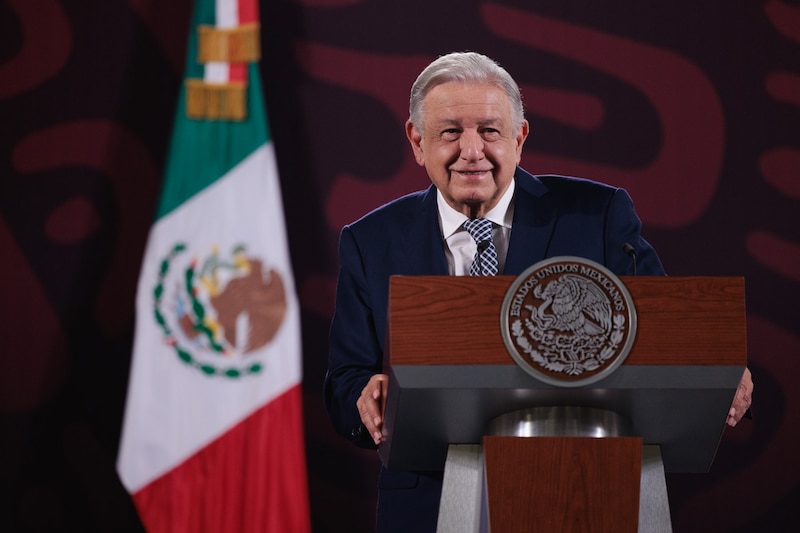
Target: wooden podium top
[(694, 320)]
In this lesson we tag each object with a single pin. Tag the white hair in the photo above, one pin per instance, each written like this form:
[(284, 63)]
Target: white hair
[(465, 67)]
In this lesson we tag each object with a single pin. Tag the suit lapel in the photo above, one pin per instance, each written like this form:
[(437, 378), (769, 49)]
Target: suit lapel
[(533, 225), (421, 242)]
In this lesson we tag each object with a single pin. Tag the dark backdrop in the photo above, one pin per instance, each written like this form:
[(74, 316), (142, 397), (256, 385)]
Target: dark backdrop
[(692, 106)]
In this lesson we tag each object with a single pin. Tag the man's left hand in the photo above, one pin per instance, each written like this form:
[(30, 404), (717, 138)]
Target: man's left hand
[(742, 400)]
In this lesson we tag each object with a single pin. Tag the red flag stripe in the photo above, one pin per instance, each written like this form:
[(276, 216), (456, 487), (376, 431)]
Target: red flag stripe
[(248, 13), (253, 478)]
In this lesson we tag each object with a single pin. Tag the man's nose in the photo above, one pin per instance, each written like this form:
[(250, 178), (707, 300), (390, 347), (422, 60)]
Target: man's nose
[(471, 145)]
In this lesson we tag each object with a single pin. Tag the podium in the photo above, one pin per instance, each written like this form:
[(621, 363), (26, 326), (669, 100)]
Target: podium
[(452, 381)]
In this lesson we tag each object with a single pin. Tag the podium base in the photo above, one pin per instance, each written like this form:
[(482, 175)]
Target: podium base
[(464, 509)]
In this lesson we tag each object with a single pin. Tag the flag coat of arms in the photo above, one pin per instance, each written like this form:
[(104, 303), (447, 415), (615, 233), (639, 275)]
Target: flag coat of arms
[(212, 437)]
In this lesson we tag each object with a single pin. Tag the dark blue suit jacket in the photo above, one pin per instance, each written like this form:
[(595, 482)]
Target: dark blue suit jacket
[(553, 216)]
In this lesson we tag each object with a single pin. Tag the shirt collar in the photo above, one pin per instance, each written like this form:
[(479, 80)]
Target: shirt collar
[(452, 220)]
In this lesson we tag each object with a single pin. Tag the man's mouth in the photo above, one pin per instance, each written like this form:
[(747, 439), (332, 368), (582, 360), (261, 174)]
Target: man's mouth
[(472, 172)]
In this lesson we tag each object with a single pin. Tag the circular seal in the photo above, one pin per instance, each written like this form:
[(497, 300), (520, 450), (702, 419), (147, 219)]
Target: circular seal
[(568, 321)]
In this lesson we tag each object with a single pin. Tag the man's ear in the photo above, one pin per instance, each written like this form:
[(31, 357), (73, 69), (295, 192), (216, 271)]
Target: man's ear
[(415, 139), (522, 134)]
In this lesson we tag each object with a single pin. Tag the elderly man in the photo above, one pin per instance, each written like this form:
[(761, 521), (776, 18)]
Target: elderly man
[(467, 128)]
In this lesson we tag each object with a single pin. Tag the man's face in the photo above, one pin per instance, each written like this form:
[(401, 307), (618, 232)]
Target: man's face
[(468, 144)]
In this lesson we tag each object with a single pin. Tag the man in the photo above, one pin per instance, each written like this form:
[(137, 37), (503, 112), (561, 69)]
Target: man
[(467, 128)]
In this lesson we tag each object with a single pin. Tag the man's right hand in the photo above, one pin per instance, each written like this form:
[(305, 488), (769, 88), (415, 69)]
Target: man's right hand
[(370, 405)]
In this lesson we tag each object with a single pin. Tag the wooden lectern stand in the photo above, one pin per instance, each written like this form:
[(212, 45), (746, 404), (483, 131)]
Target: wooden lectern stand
[(451, 376)]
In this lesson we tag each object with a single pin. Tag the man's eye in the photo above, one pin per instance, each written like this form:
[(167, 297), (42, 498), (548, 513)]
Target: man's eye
[(451, 133)]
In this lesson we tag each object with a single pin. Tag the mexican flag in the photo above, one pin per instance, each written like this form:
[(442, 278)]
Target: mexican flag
[(212, 438)]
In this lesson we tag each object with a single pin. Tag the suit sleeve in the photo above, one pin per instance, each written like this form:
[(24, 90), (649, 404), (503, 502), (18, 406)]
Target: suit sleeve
[(355, 354), (624, 226)]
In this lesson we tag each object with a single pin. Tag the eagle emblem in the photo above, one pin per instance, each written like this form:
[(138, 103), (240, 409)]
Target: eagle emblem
[(217, 312), (575, 304)]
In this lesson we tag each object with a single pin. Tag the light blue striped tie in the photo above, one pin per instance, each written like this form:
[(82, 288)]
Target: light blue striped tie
[(485, 262)]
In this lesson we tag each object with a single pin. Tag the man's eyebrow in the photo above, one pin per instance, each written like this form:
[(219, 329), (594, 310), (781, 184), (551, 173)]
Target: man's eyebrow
[(492, 121)]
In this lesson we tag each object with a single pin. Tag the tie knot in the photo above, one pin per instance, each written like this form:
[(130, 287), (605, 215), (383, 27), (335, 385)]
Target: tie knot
[(479, 228)]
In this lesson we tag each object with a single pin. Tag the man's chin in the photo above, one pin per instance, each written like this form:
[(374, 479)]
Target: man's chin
[(475, 195)]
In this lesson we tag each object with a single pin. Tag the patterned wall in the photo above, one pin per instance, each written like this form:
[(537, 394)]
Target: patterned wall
[(694, 107)]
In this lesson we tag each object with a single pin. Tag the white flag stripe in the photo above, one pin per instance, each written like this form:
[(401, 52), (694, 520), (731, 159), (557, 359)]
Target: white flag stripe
[(196, 408), (227, 16), (227, 12), (216, 72)]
